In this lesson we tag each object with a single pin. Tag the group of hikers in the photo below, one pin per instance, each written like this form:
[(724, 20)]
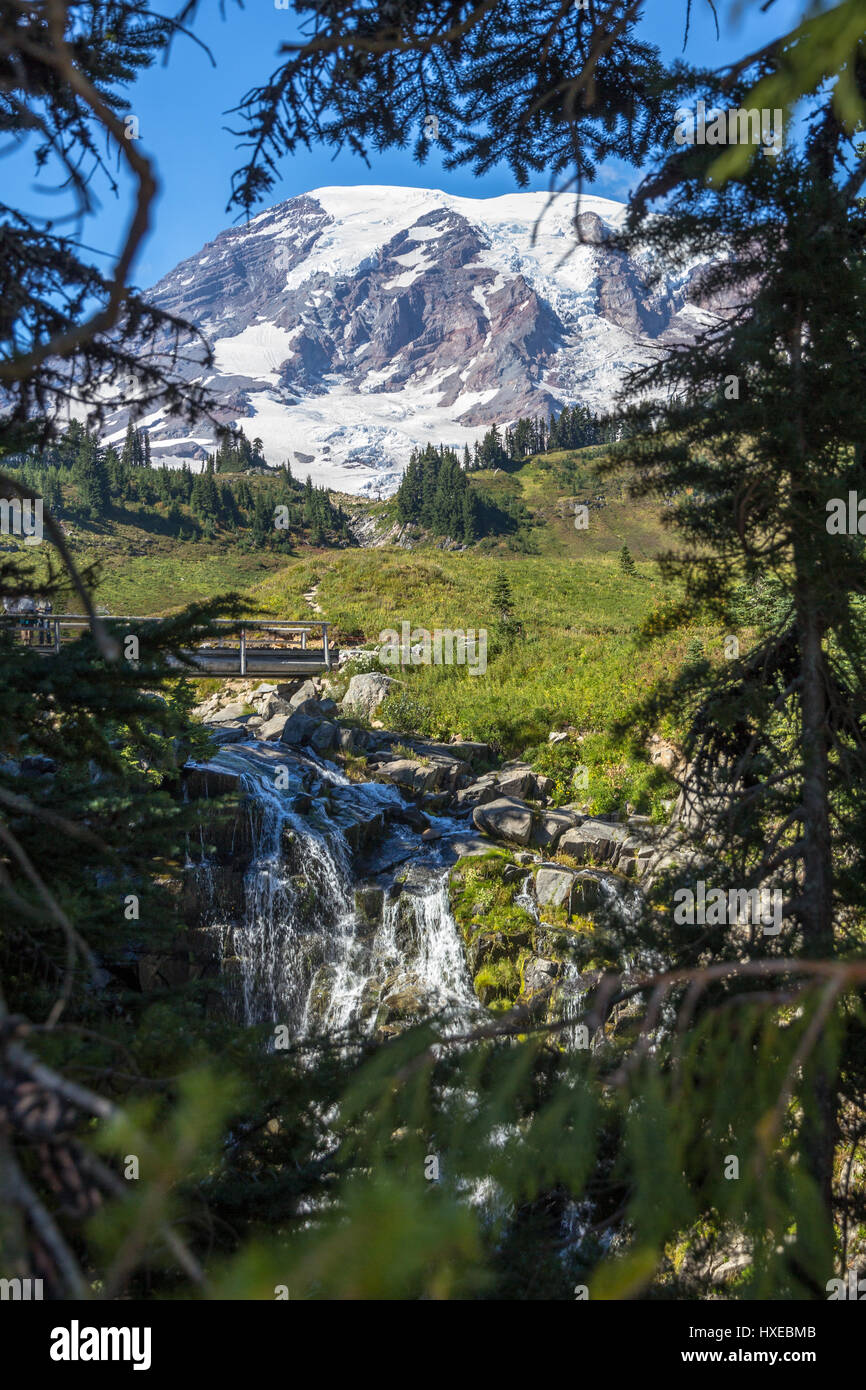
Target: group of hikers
[(33, 618)]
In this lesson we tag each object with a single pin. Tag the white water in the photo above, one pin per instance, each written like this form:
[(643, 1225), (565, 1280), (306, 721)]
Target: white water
[(304, 958)]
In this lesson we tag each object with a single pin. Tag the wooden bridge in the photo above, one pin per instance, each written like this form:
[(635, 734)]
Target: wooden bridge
[(259, 647)]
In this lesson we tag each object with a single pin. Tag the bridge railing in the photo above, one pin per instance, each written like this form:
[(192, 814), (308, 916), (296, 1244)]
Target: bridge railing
[(303, 641)]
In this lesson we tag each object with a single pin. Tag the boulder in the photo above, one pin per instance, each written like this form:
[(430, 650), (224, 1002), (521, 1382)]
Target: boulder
[(520, 782), (271, 704), (539, 973), (476, 794), (462, 846), (593, 842), (544, 786), (227, 715), (306, 691), (471, 752), (664, 754), (415, 776), (506, 818), (37, 765), (228, 733), (272, 729), (323, 737), (311, 706), (367, 691), (586, 891), (634, 857), (550, 827), (347, 741), (299, 728), (553, 887)]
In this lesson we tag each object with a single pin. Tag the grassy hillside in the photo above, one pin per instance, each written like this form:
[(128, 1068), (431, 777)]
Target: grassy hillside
[(577, 663), (143, 573)]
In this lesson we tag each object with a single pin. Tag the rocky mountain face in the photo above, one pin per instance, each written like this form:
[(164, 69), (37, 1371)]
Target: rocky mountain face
[(350, 324)]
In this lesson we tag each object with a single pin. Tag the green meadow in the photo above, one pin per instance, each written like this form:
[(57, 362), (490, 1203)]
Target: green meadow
[(577, 662)]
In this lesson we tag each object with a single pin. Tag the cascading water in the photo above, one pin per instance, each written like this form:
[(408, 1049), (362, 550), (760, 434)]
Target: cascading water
[(415, 953), (303, 955)]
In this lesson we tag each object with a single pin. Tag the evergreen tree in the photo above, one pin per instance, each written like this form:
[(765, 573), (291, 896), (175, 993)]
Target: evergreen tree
[(763, 427), (626, 563), (91, 477), (507, 625), (128, 455)]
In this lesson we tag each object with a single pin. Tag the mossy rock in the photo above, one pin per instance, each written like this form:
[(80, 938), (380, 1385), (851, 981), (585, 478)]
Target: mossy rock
[(369, 901), (485, 946), (480, 895), (498, 983)]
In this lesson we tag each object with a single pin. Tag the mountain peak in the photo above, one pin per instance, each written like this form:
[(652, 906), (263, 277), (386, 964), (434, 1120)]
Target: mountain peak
[(351, 324)]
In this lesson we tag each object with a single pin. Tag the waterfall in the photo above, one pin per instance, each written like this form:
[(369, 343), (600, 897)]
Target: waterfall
[(302, 954)]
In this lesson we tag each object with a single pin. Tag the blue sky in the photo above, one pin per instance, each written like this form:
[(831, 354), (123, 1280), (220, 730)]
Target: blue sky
[(182, 114)]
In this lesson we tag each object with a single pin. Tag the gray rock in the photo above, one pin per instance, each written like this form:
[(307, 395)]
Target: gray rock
[(418, 777), (553, 887), (227, 715), (471, 752), (550, 827), (204, 780), (593, 842), (306, 691), (311, 706), (586, 891), (539, 973), (272, 729), (228, 733), (369, 900), (367, 691), (269, 705), (476, 794), (298, 729), (518, 783), (506, 818), (323, 737), (37, 764)]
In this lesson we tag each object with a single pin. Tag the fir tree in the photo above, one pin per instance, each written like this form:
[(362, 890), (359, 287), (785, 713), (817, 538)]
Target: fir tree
[(626, 563)]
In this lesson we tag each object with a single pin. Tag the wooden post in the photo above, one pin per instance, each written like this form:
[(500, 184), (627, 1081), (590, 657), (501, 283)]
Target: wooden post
[(243, 651)]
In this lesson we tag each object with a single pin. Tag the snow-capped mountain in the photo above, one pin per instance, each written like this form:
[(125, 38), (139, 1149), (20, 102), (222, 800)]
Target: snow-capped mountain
[(350, 324)]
